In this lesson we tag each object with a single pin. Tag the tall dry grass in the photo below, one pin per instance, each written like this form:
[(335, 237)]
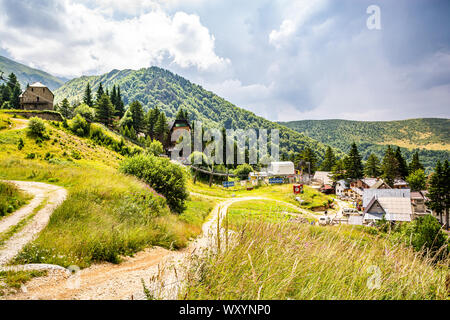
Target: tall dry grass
[(299, 261)]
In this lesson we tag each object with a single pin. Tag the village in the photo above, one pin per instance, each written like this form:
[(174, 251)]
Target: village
[(361, 201)]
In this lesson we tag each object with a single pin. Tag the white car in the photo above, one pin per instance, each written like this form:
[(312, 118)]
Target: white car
[(324, 220)]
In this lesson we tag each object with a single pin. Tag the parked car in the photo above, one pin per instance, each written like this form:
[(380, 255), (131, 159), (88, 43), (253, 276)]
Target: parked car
[(350, 211), (324, 220)]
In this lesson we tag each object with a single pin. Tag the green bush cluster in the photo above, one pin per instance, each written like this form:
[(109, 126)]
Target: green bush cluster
[(36, 127), (80, 126), (162, 175)]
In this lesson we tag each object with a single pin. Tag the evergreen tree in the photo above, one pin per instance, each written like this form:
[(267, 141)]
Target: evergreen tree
[(105, 110), (113, 96), (151, 119), (100, 92), (120, 107), (182, 115), (137, 113), (65, 109), (353, 163), (308, 155), (6, 94), (338, 171), (389, 166), (415, 163), (14, 87), (439, 191), (329, 161), (372, 168), (402, 165), (161, 128), (87, 98)]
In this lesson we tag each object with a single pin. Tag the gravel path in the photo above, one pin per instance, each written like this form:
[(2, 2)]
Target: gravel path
[(50, 197)]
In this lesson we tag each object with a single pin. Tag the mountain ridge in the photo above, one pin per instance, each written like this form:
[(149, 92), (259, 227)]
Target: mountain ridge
[(157, 87), (27, 75)]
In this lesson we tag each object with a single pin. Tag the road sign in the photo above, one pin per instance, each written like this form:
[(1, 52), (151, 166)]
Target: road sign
[(275, 180), (228, 184)]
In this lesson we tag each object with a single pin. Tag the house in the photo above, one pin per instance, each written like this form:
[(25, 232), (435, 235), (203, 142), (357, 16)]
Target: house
[(323, 177), (418, 200), (391, 208), (369, 194), (342, 188), (179, 124), (36, 97), (400, 184), (359, 186), (284, 168)]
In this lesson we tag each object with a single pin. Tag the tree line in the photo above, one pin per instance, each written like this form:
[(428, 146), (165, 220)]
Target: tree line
[(10, 92)]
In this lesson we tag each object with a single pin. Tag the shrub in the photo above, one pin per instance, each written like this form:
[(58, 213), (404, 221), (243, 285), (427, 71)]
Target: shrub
[(425, 233), (162, 175), (155, 148), (20, 145), (30, 156), (243, 170), (36, 127), (85, 111), (80, 126)]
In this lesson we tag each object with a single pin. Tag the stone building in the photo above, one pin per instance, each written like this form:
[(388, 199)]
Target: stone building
[(36, 97)]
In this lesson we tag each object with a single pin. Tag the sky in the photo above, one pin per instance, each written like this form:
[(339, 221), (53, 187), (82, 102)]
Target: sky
[(284, 60)]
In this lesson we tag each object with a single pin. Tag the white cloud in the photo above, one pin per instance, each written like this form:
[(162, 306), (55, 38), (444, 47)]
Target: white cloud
[(90, 40)]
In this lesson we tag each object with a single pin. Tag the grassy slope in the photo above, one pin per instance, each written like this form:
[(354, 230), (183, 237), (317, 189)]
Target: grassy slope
[(106, 213), (11, 198), (29, 75), (278, 260), (159, 87), (431, 137)]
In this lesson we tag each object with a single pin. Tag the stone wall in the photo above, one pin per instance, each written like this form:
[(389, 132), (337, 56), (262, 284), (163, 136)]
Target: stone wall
[(50, 115)]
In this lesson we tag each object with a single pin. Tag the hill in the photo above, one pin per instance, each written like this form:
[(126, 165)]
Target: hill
[(29, 75), (158, 87), (429, 136)]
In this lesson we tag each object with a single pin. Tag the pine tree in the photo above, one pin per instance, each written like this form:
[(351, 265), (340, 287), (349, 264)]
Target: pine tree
[(120, 107), (329, 161), (402, 165), (65, 109), (182, 115), (113, 96), (137, 113), (100, 92), (438, 190), (372, 168), (87, 98), (151, 119), (14, 87), (105, 110), (389, 167), (353, 163), (308, 155), (338, 171), (161, 128), (415, 163)]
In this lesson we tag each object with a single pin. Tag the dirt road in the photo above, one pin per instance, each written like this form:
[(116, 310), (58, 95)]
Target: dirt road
[(161, 270), (46, 199)]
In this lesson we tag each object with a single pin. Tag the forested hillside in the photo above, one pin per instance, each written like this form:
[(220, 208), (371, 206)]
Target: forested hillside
[(170, 92), (26, 75), (430, 137)]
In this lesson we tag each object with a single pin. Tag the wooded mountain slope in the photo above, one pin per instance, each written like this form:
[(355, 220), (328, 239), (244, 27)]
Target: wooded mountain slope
[(430, 136), (158, 87), (28, 75)]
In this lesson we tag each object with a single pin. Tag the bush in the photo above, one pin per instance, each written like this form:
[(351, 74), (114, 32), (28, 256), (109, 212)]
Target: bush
[(20, 145), (36, 127), (425, 233), (243, 170), (85, 111), (80, 126), (162, 175), (155, 148)]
